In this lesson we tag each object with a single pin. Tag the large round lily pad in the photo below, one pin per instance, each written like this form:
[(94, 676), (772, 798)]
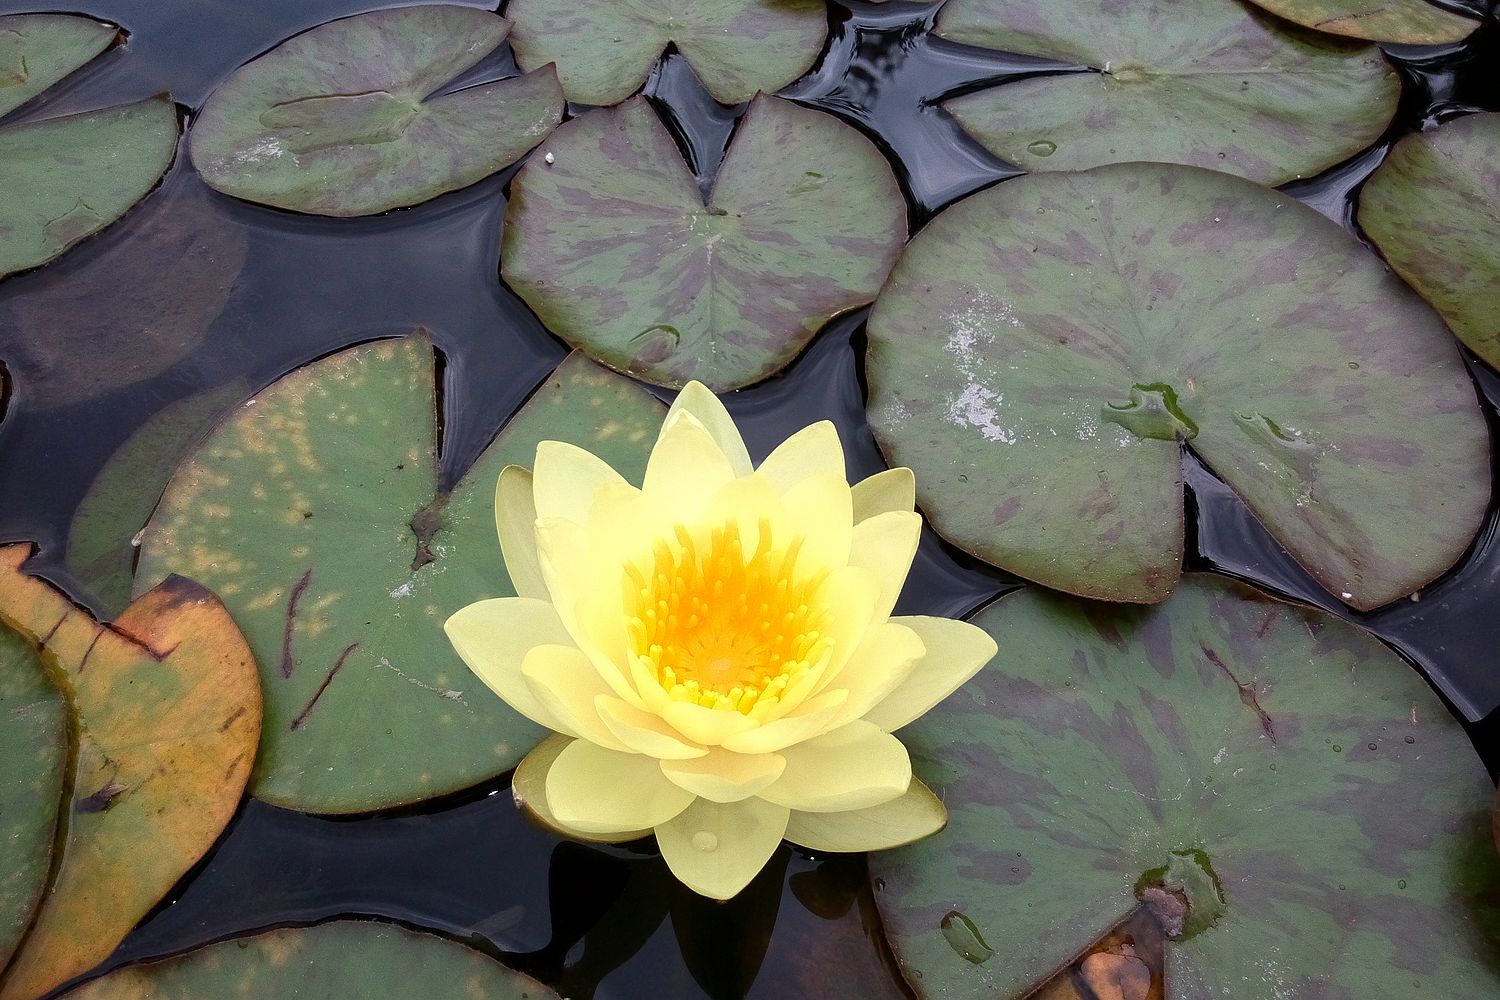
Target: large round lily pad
[(334, 961), (1289, 796), (1433, 209), (1043, 348), (38, 50), (605, 49), (609, 239), (1408, 22), (313, 510), (343, 119), (1210, 83)]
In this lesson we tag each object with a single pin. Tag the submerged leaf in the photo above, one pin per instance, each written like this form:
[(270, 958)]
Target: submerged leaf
[(1405, 22), (38, 50)]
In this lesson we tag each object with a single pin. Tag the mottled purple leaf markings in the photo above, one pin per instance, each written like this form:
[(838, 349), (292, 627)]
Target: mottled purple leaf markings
[(1210, 83), (333, 672), (1247, 693), (1406, 22), (1046, 426), (287, 663)]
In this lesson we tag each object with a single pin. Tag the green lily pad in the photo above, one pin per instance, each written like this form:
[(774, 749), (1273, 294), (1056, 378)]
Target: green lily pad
[(609, 239), (313, 511), (33, 755), (1289, 798), (1433, 209), (1209, 83), (1405, 22), (1044, 347), (605, 49), (38, 50), (334, 961), (342, 119), (70, 177)]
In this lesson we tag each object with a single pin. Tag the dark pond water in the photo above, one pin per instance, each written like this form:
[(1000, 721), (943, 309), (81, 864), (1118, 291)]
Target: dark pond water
[(604, 922)]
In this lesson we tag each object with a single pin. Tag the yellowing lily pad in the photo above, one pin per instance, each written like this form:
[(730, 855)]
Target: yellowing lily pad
[(1406, 22), (1211, 83), (314, 511), (605, 49), (336, 961), (609, 239), (347, 119), (38, 50), (1287, 796), (165, 712), (1433, 209), (1045, 348)]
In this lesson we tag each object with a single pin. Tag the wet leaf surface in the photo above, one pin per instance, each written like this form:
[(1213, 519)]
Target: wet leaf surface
[(1043, 348), (1210, 83), (165, 707), (38, 50), (334, 961), (313, 510), (609, 239), (605, 49), (1433, 209), (1282, 781), (1407, 22), (349, 119)]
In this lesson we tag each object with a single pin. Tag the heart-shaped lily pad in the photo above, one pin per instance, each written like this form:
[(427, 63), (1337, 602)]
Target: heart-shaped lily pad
[(1210, 83), (342, 119), (335, 961), (33, 755), (1406, 22), (609, 239), (165, 711), (38, 50), (314, 511), (1288, 797), (1433, 209), (1043, 348), (605, 49)]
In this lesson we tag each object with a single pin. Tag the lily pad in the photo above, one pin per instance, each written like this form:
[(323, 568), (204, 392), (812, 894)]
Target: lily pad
[(332, 961), (1044, 348), (609, 239), (33, 755), (1209, 83), (346, 119), (38, 50), (1290, 798), (1404, 22), (314, 511), (605, 49), (165, 710), (1433, 209)]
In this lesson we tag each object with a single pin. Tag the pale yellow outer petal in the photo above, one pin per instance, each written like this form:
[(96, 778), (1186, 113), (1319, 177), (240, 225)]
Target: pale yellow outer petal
[(529, 789), (885, 545), (697, 399), (955, 652), (886, 657), (824, 513), (814, 716), (723, 776), (904, 820), (588, 600), (686, 469), (854, 767), (515, 520), (566, 479), (813, 450), (564, 680), (596, 790), (893, 489), (716, 849), (708, 726), (643, 732), (493, 638)]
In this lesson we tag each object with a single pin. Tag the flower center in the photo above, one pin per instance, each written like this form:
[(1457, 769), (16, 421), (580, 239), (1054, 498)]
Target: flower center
[(722, 627)]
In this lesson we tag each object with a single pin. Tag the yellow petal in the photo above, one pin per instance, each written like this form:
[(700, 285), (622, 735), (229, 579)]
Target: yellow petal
[(586, 593), (515, 519), (565, 682), (723, 776), (885, 545), (643, 732), (709, 726), (911, 817), (854, 767), (695, 398), (814, 716), (493, 638), (824, 513), (955, 652), (566, 479), (813, 450), (529, 789), (886, 657), (893, 489), (686, 469), (715, 850), (601, 791)]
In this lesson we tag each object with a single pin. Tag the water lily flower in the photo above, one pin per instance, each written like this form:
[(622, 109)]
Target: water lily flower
[(715, 651)]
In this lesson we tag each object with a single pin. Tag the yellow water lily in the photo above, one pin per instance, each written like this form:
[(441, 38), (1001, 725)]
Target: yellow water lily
[(715, 650)]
